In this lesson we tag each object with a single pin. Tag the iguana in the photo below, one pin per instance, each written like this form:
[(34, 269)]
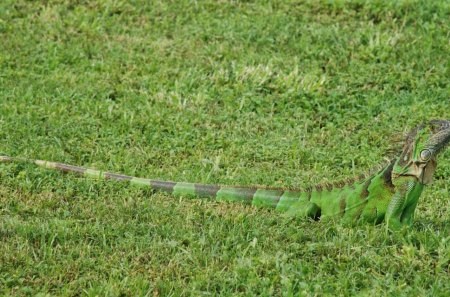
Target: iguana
[(389, 194)]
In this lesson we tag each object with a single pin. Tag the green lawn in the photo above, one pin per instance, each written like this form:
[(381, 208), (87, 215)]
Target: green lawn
[(278, 93)]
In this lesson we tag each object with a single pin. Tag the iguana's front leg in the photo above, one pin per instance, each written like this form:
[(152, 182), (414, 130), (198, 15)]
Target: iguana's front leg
[(401, 208)]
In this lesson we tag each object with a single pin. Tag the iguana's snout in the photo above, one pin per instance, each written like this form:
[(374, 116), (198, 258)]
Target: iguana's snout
[(423, 145)]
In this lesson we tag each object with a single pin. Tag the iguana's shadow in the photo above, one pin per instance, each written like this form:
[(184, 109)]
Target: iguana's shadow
[(427, 224)]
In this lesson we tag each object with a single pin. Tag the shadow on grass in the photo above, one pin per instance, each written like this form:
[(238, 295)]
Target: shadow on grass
[(433, 225)]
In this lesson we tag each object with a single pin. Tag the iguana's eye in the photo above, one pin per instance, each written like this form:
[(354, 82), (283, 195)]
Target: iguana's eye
[(425, 155)]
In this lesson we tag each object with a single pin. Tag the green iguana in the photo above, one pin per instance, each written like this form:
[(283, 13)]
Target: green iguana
[(391, 193)]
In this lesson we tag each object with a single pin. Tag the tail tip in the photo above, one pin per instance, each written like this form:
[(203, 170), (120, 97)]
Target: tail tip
[(5, 159)]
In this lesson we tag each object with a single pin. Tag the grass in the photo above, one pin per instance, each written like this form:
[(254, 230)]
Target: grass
[(280, 93)]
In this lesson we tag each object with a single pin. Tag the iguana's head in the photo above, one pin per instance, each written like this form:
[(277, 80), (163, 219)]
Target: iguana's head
[(422, 146)]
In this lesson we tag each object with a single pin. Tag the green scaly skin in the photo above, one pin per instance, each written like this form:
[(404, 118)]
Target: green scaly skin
[(390, 194)]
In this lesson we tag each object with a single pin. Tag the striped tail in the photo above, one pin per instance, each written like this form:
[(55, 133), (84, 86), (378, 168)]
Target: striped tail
[(272, 198)]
